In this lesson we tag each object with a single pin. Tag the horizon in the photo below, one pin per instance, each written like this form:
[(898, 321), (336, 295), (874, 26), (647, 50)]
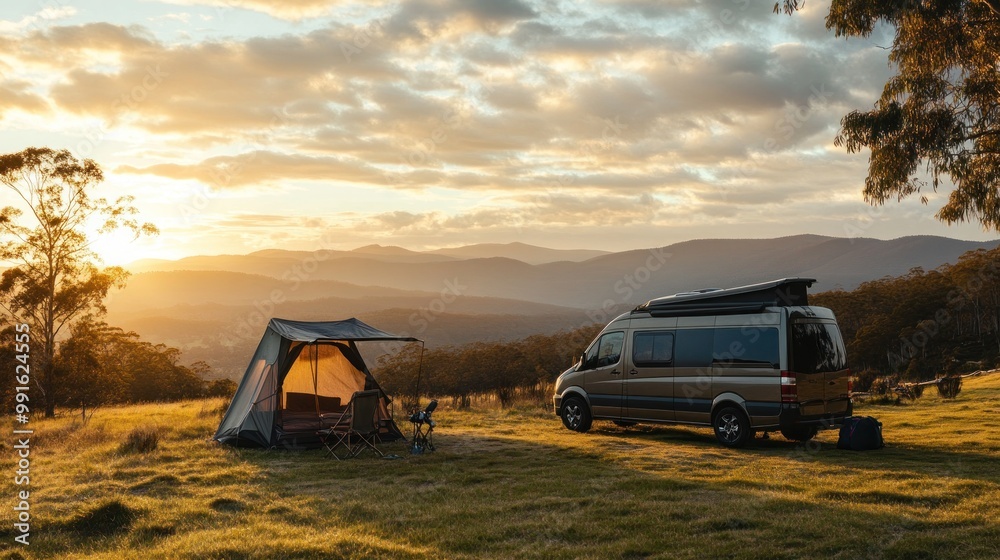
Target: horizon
[(534, 246)]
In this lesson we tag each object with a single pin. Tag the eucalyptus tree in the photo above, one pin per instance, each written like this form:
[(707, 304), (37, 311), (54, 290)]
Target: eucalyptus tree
[(54, 275), (938, 118)]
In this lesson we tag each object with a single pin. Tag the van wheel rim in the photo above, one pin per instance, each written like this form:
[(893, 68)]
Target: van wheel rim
[(729, 427), (573, 415)]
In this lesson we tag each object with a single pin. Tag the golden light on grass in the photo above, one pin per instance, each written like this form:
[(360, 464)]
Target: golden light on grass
[(516, 484)]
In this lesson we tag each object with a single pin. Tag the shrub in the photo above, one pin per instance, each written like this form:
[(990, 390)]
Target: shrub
[(949, 387), (911, 391), (141, 440), (220, 388), (882, 386), (863, 380)]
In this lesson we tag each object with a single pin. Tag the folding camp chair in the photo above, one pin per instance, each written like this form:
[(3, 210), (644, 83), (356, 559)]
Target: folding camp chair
[(357, 428)]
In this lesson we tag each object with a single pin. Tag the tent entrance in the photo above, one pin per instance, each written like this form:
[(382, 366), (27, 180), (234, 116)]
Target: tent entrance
[(318, 385), (320, 379)]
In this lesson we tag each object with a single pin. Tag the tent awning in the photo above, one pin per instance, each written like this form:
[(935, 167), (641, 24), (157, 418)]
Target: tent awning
[(349, 329)]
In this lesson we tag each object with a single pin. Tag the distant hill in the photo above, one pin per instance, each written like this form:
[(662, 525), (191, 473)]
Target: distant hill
[(623, 278), (192, 287), (471, 293), (225, 336), (530, 254)]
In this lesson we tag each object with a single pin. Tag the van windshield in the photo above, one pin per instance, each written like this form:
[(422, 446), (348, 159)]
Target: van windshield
[(817, 348)]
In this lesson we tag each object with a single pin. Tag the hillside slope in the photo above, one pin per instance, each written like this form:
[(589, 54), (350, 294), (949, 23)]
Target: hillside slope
[(624, 278)]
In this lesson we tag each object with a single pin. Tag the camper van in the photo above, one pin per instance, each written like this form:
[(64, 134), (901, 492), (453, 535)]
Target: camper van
[(742, 360)]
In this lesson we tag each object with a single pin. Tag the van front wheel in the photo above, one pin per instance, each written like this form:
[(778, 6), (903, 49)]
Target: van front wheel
[(576, 415), (732, 427)]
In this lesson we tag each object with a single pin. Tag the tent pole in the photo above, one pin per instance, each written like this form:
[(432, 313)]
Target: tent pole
[(314, 366), (420, 366)]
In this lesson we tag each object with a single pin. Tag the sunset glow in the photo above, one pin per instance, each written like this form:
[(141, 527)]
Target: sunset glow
[(243, 125)]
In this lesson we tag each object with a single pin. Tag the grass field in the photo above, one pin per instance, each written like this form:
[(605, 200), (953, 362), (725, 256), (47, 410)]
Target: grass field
[(517, 484)]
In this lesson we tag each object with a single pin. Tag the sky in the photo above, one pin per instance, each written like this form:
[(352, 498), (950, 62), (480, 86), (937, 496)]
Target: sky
[(240, 125)]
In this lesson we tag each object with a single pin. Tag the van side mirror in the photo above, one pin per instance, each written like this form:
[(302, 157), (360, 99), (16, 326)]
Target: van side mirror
[(583, 362)]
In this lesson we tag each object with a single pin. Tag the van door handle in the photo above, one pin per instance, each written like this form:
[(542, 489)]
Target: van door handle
[(633, 371), (615, 372)]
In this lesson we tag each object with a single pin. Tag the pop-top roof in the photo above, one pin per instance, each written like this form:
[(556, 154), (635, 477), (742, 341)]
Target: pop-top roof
[(785, 292), (348, 329)]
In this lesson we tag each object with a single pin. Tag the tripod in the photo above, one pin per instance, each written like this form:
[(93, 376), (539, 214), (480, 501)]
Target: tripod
[(423, 429)]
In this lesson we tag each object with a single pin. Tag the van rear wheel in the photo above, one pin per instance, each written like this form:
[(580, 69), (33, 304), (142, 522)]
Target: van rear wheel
[(576, 415), (800, 433), (732, 427)]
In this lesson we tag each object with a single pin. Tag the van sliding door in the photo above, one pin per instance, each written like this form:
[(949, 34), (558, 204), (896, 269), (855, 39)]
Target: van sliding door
[(693, 373), (649, 380)]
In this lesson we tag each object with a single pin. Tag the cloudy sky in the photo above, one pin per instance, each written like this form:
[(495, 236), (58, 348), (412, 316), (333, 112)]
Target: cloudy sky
[(615, 124)]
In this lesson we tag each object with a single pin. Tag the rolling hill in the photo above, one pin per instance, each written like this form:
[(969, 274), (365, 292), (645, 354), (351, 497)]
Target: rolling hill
[(202, 304), (625, 277)]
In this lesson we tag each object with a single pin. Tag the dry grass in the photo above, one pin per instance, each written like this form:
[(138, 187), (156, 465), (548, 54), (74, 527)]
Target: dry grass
[(517, 484), (141, 440)]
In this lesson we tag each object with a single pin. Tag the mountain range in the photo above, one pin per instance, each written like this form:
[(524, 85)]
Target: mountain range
[(477, 292)]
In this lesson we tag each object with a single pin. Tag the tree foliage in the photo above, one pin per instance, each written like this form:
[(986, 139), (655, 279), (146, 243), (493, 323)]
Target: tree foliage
[(98, 364), (924, 323), (502, 370), (941, 109), (54, 278)]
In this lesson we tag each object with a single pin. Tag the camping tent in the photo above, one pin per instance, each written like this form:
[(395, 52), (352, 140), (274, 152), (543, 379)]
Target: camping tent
[(302, 373)]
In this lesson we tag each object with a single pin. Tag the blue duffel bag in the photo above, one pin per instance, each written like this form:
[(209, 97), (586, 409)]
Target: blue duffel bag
[(860, 433)]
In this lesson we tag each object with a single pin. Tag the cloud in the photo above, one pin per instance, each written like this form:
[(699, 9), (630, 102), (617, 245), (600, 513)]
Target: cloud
[(294, 10), (425, 19), (262, 167), (17, 94), (47, 14), (626, 111)]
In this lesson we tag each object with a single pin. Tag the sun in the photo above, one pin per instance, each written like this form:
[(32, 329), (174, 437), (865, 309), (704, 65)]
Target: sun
[(120, 247)]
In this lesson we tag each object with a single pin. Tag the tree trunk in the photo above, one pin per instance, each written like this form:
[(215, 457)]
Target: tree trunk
[(48, 373)]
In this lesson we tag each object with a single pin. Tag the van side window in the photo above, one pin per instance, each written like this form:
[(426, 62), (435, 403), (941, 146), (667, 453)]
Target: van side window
[(606, 352), (652, 349), (694, 347), (746, 347)]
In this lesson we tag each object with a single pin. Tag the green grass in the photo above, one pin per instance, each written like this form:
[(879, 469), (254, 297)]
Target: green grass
[(517, 484)]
